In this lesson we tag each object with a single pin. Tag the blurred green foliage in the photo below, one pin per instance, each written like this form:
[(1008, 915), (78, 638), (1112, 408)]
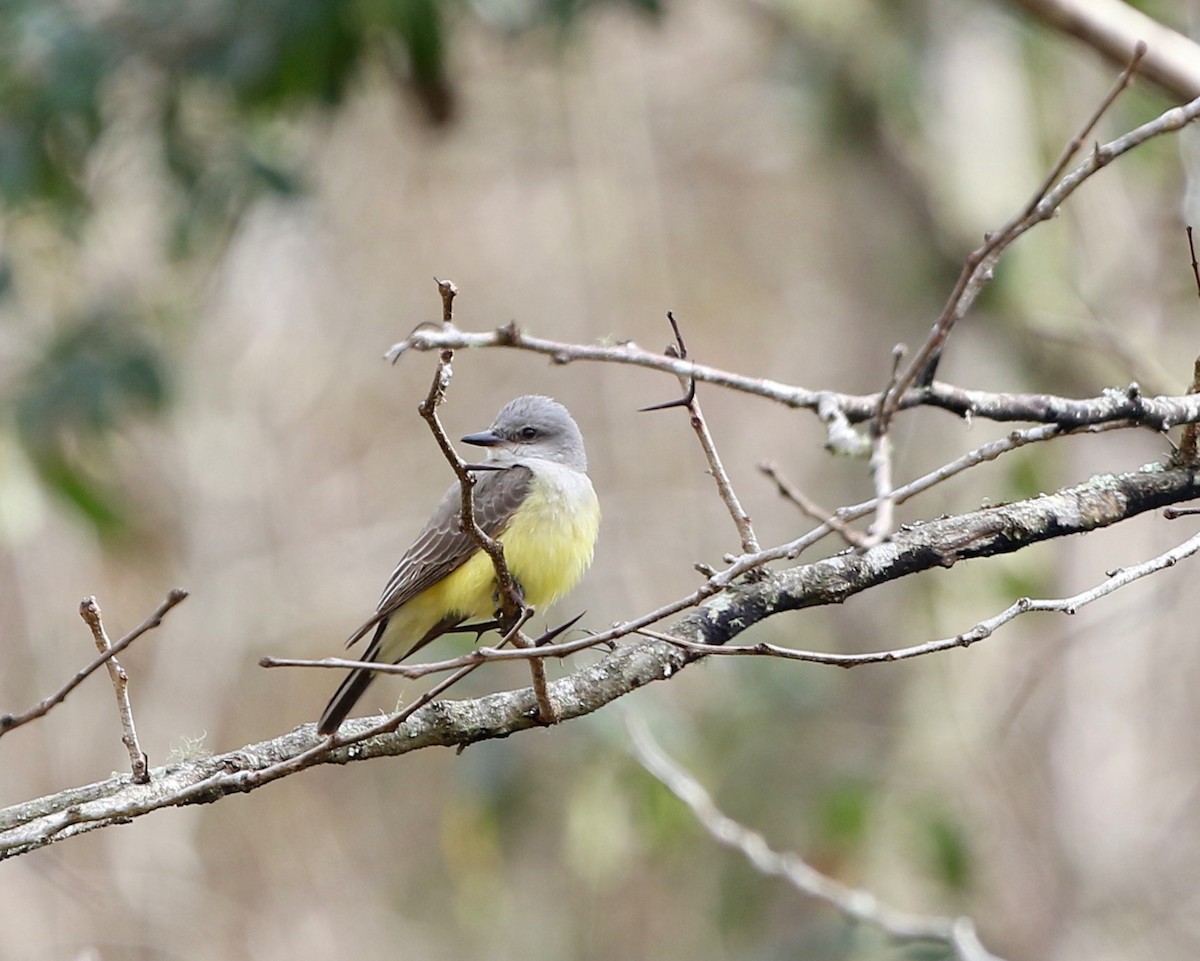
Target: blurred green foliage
[(946, 849), (844, 815), (218, 76), (264, 56), (89, 378)]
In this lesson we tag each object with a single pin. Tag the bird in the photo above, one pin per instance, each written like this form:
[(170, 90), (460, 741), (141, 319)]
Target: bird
[(533, 495)]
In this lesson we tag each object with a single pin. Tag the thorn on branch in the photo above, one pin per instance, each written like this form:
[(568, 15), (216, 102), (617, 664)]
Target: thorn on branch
[(677, 350), (554, 632), (1188, 452), (741, 519)]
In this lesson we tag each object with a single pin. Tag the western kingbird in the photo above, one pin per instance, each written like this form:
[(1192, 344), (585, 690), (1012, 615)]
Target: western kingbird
[(539, 504)]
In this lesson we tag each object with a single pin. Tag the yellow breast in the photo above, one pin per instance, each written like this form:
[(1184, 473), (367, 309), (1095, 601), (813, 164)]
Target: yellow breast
[(548, 544)]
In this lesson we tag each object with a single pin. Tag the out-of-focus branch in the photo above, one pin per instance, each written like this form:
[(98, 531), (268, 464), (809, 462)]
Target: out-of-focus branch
[(855, 904), (1113, 29)]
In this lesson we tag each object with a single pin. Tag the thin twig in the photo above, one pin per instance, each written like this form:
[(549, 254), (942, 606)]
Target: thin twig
[(1187, 454), (839, 409), (855, 904), (10, 721), (810, 508), (881, 459), (448, 291), (547, 713), (979, 266), (984, 629), (510, 601), (716, 581), (89, 610), (741, 519), (539, 649)]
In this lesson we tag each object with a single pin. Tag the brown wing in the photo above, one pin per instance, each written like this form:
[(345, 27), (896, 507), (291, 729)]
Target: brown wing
[(441, 547)]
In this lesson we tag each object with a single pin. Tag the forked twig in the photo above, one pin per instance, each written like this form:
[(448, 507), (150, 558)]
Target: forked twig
[(10, 721), (510, 600), (514, 612), (89, 610), (978, 267), (810, 508), (741, 519), (980, 631)]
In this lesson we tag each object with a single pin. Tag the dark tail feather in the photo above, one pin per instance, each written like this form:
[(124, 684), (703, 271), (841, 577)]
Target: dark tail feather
[(351, 689), (342, 703), (357, 681)]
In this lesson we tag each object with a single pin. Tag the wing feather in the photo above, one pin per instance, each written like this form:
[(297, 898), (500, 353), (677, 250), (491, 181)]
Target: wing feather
[(442, 547)]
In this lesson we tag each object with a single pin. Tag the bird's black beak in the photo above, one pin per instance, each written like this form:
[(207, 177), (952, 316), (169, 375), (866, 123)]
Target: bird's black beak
[(485, 438)]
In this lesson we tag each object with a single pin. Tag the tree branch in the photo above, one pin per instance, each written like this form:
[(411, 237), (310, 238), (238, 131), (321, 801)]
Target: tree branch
[(1157, 413), (736, 606), (855, 904), (1113, 28), (10, 721)]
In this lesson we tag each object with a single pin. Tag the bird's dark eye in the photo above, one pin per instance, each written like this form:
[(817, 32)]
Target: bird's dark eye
[(529, 433)]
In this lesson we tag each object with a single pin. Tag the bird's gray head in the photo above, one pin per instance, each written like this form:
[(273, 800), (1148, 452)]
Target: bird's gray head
[(533, 426)]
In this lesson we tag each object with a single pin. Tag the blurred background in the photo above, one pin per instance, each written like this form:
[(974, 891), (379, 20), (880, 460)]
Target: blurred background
[(217, 216)]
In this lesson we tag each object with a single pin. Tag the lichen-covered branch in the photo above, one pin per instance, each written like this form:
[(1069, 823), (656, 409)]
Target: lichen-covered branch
[(943, 542)]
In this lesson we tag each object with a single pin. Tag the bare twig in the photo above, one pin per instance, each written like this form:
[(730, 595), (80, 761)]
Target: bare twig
[(741, 519), (1114, 404), (448, 292), (809, 508), (984, 629), (513, 610), (540, 649), (510, 600), (10, 721), (1173, 513), (547, 713), (89, 610), (855, 904), (1098, 503), (1186, 455), (881, 458), (979, 266)]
